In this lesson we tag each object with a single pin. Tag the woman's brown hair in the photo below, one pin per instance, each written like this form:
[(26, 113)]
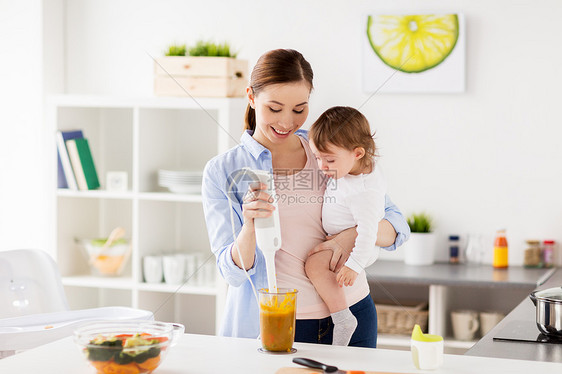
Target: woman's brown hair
[(274, 67), (347, 128)]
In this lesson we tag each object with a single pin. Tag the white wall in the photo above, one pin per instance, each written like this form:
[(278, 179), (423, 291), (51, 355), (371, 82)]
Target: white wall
[(477, 161), (24, 209)]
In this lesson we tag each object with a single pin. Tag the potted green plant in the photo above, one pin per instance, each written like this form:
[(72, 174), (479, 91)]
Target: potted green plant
[(176, 50), (204, 69), (420, 248)]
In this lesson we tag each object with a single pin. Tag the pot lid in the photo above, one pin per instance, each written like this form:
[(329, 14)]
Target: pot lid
[(550, 293)]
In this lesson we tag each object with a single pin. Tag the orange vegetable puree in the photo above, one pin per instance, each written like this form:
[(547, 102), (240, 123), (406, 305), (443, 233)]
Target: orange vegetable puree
[(277, 322)]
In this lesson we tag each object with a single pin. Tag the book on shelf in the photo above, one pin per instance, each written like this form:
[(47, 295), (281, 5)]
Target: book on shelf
[(65, 177), (82, 164)]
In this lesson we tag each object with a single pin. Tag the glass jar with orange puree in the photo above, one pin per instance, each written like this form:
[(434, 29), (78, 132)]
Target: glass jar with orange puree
[(278, 319)]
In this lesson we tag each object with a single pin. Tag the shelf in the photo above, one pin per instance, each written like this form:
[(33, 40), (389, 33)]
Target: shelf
[(167, 196), (91, 101), (95, 194), (181, 289), (128, 195), (139, 136), (117, 283)]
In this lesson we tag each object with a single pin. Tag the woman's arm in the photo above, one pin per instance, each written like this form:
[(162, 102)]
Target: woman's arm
[(386, 235), (219, 206), (400, 230)]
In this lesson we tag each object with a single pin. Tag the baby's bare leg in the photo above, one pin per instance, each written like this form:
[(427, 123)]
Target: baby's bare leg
[(324, 281)]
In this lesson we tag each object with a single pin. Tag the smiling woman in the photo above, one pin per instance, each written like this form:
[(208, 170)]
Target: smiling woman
[(281, 108), (278, 97)]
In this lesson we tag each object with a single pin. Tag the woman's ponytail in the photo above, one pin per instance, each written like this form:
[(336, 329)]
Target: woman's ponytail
[(250, 117)]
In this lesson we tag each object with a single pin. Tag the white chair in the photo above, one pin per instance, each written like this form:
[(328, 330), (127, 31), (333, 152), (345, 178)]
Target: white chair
[(30, 283), (33, 305)]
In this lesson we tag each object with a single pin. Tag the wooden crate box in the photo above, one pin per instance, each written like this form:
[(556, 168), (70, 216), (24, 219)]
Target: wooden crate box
[(200, 76)]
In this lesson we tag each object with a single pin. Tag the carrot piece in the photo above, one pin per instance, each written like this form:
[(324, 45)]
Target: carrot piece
[(99, 365), (124, 336), (150, 364), (115, 368)]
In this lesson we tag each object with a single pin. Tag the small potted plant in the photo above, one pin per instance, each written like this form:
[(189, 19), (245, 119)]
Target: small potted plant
[(176, 50), (205, 69), (420, 248)]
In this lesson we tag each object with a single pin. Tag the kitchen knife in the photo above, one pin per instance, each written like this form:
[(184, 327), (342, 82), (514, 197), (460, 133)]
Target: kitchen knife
[(294, 370), (317, 365)]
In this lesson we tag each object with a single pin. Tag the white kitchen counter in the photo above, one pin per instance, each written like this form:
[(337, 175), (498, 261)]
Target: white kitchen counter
[(211, 354)]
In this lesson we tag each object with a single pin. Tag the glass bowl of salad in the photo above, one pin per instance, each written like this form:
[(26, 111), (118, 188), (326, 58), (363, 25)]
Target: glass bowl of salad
[(131, 347)]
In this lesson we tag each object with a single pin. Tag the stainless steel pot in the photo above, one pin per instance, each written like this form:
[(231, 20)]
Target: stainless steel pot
[(548, 304)]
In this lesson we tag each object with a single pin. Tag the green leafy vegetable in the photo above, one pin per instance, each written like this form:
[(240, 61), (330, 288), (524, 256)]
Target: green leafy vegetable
[(122, 351), (123, 358), (151, 353), (107, 349)]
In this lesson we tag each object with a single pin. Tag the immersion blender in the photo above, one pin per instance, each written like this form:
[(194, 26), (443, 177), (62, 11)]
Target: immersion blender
[(268, 230)]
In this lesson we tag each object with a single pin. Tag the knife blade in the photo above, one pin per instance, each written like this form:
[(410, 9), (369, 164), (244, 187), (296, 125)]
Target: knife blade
[(317, 365)]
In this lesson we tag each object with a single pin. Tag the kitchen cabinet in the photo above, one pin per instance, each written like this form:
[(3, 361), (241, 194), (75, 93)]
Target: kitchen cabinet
[(451, 286), (140, 136)]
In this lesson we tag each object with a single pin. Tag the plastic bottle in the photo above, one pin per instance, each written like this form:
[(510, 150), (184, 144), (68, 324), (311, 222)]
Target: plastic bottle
[(454, 255), (548, 253), (500, 250)]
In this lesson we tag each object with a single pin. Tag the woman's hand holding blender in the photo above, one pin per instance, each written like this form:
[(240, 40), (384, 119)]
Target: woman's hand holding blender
[(255, 205)]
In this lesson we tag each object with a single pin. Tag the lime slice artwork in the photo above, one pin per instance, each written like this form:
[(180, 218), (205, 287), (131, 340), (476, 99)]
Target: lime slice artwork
[(413, 43)]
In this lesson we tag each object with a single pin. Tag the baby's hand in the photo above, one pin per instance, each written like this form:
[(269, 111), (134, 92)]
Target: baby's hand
[(346, 276)]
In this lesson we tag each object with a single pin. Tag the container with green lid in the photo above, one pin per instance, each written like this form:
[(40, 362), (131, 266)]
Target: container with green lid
[(427, 349)]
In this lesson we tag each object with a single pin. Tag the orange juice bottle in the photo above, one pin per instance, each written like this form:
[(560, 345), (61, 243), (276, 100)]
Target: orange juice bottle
[(500, 250)]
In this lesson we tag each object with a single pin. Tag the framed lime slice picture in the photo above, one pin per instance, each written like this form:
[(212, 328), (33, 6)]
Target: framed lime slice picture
[(422, 52), (413, 43)]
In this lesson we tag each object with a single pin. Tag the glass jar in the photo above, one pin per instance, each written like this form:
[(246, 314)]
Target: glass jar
[(548, 253), (475, 250), (454, 255), (532, 256)]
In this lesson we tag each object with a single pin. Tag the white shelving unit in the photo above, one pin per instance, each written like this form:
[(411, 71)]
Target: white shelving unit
[(140, 136)]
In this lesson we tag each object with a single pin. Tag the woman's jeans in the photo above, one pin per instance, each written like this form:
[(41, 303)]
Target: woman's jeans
[(320, 331)]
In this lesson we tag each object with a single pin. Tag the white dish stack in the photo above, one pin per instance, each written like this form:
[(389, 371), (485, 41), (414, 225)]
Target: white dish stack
[(181, 181)]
